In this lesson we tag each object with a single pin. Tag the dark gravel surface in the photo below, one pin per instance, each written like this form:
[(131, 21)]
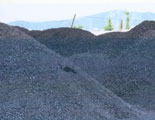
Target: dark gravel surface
[(67, 41), (122, 62), (131, 73), (38, 84)]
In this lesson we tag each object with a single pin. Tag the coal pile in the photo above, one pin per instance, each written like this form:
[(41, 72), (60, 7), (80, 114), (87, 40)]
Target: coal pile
[(131, 73), (150, 34), (135, 68), (142, 28), (38, 84), (122, 62), (135, 32), (115, 43), (65, 41)]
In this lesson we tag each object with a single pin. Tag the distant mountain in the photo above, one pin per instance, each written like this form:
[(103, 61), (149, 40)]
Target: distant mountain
[(93, 22)]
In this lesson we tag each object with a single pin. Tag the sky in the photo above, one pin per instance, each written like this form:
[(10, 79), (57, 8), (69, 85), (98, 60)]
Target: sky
[(47, 10)]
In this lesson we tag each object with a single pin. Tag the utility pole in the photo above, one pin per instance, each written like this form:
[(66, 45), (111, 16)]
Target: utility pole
[(73, 20), (122, 25)]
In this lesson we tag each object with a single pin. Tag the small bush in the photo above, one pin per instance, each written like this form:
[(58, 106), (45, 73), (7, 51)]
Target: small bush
[(109, 27), (78, 27)]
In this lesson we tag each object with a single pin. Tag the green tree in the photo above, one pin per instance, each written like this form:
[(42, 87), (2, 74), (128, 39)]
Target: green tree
[(109, 27), (127, 20)]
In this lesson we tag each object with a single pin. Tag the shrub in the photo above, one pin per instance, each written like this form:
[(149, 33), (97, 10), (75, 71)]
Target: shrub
[(109, 27), (78, 27), (127, 20)]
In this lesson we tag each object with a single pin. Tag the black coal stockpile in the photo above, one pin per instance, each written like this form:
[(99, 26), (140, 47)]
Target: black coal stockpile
[(121, 61), (38, 84), (142, 28), (65, 41), (130, 74)]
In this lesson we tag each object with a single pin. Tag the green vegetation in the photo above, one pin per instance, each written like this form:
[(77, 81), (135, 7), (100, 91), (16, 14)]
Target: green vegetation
[(127, 20), (109, 27), (78, 27)]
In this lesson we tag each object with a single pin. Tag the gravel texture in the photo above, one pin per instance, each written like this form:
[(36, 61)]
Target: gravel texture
[(122, 62), (65, 41), (38, 84), (131, 73)]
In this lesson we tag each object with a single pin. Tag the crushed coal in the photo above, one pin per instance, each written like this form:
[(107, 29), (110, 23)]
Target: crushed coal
[(115, 79), (130, 74), (69, 41), (65, 41), (34, 87), (121, 61)]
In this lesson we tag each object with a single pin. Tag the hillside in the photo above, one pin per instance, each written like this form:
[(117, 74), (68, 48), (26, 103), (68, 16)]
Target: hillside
[(37, 83)]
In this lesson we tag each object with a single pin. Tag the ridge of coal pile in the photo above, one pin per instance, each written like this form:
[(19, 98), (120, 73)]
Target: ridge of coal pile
[(65, 41), (38, 84), (134, 33), (116, 42), (130, 75), (142, 28), (68, 41)]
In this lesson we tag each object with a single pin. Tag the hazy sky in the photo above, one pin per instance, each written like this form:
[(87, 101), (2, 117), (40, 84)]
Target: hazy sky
[(46, 10)]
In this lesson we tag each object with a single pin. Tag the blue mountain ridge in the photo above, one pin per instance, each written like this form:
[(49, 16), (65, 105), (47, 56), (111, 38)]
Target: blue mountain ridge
[(92, 22)]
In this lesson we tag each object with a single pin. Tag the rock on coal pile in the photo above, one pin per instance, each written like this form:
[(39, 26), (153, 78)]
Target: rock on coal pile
[(38, 84)]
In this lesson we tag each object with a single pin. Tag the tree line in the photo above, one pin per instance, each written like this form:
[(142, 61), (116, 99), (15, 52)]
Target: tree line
[(110, 27)]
